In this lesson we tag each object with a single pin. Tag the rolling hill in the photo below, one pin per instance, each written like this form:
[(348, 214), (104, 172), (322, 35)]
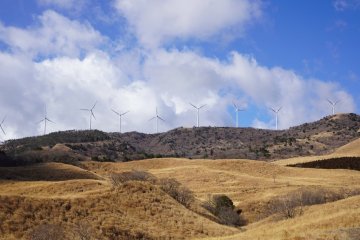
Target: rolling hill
[(62, 185), (141, 210), (317, 138)]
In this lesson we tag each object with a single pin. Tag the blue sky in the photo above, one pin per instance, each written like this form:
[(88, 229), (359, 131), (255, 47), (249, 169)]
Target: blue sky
[(136, 56)]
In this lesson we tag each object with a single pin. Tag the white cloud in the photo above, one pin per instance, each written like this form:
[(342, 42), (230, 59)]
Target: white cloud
[(158, 21), (171, 79), (54, 35), (342, 5), (73, 73), (301, 99)]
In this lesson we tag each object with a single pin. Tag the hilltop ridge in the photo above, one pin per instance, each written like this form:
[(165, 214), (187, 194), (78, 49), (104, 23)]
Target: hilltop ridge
[(316, 138)]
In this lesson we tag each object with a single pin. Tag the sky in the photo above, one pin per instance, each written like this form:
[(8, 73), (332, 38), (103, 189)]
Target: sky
[(137, 55)]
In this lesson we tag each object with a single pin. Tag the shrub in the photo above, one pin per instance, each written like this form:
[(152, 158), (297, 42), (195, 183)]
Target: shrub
[(114, 232), (180, 193), (291, 204), (84, 231), (117, 179), (312, 197), (223, 207), (230, 217), (286, 206), (47, 231), (217, 202)]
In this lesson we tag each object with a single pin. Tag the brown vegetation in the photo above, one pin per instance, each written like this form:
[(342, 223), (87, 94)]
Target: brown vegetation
[(352, 163), (164, 199), (320, 137), (223, 208)]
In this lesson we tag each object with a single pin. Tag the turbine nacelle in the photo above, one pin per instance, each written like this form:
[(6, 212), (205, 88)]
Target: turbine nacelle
[(45, 119), (237, 110), (157, 117), (92, 115), (198, 110), (276, 111), (120, 116), (333, 104)]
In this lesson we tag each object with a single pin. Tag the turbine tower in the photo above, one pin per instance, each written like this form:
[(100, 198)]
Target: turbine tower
[(45, 119), (157, 117), (237, 110), (90, 112), (120, 116), (276, 111), (333, 104), (1, 125), (198, 110)]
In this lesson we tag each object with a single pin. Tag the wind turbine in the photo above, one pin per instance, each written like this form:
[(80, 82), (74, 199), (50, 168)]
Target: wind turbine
[(276, 111), (1, 125), (333, 104), (157, 117), (45, 119), (90, 112), (2, 129), (120, 115), (237, 110), (198, 110)]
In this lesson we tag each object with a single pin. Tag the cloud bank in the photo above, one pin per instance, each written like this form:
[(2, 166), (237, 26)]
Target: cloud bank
[(67, 65), (163, 20)]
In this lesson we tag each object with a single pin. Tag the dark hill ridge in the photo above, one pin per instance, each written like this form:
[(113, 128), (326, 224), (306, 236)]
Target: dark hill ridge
[(318, 137)]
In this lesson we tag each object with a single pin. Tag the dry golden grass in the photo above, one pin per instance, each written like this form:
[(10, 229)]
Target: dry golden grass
[(142, 209), (136, 207), (338, 220), (351, 149), (251, 184)]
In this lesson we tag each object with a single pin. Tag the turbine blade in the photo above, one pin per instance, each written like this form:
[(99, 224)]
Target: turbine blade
[(202, 106), (337, 102), (3, 120), (2, 130), (272, 110), (50, 121), (92, 114), (235, 106), (40, 121), (193, 105), (115, 111), (161, 118), (279, 109), (94, 105), (152, 118), (330, 102), (124, 113)]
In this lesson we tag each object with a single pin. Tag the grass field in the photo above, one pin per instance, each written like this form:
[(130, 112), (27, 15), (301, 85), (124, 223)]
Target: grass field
[(81, 197)]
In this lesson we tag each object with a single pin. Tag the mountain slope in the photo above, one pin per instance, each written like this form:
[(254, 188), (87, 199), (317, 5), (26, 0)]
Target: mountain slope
[(317, 138)]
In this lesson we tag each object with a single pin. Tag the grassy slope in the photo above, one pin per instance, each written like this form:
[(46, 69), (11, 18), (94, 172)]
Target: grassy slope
[(351, 149), (46, 172), (336, 220), (143, 208), (134, 209), (249, 183)]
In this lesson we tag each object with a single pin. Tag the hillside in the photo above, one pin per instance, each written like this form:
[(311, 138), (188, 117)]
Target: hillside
[(316, 138), (351, 149), (91, 206)]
